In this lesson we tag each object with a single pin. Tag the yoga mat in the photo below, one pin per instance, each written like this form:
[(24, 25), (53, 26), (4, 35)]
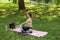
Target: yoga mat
[(34, 32)]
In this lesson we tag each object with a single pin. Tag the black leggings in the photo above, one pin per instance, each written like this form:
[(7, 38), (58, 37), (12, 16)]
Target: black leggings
[(26, 28)]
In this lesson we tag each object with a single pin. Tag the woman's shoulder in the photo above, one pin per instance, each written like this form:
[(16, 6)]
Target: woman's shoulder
[(29, 19)]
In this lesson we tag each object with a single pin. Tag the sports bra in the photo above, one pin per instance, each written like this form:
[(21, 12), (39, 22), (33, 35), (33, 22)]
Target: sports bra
[(29, 22)]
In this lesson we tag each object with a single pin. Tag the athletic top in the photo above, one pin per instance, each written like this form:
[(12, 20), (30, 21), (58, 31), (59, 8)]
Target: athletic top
[(29, 22)]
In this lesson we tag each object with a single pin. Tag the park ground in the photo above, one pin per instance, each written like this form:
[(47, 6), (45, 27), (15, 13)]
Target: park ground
[(45, 18)]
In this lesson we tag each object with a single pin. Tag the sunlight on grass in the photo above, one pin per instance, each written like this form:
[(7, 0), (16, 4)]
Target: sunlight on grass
[(49, 18), (37, 15), (50, 13), (39, 9), (2, 10), (4, 16), (52, 7), (4, 13), (42, 6), (24, 16), (21, 16), (58, 8), (54, 16), (7, 15), (4, 1), (26, 0), (40, 13), (13, 13), (43, 17), (59, 13), (29, 5)]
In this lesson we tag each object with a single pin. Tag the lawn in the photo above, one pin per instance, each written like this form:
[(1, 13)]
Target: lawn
[(43, 19)]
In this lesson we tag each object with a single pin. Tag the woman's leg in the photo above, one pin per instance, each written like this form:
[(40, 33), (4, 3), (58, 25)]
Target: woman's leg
[(23, 30), (21, 27), (29, 30)]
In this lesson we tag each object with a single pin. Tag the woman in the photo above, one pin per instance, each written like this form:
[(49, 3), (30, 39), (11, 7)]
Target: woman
[(28, 28)]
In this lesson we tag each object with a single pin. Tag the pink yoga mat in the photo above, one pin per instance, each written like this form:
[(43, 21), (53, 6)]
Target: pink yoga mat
[(34, 32)]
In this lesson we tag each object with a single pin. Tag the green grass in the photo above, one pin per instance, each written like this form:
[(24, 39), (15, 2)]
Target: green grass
[(53, 29), (42, 21)]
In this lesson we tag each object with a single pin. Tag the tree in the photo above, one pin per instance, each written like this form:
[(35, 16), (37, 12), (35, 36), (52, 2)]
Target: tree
[(21, 5)]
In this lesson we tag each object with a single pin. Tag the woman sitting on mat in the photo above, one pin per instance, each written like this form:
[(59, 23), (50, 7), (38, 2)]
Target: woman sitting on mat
[(28, 23), (28, 28)]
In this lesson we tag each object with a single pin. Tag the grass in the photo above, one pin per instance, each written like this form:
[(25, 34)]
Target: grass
[(53, 29), (40, 22)]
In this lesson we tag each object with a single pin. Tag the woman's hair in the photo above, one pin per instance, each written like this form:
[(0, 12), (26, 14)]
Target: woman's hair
[(12, 26), (30, 14)]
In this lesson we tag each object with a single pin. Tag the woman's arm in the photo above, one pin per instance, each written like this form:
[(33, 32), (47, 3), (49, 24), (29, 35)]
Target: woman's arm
[(22, 23), (25, 22)]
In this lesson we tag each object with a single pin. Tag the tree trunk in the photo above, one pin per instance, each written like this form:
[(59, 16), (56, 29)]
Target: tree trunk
[(21, 5)]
